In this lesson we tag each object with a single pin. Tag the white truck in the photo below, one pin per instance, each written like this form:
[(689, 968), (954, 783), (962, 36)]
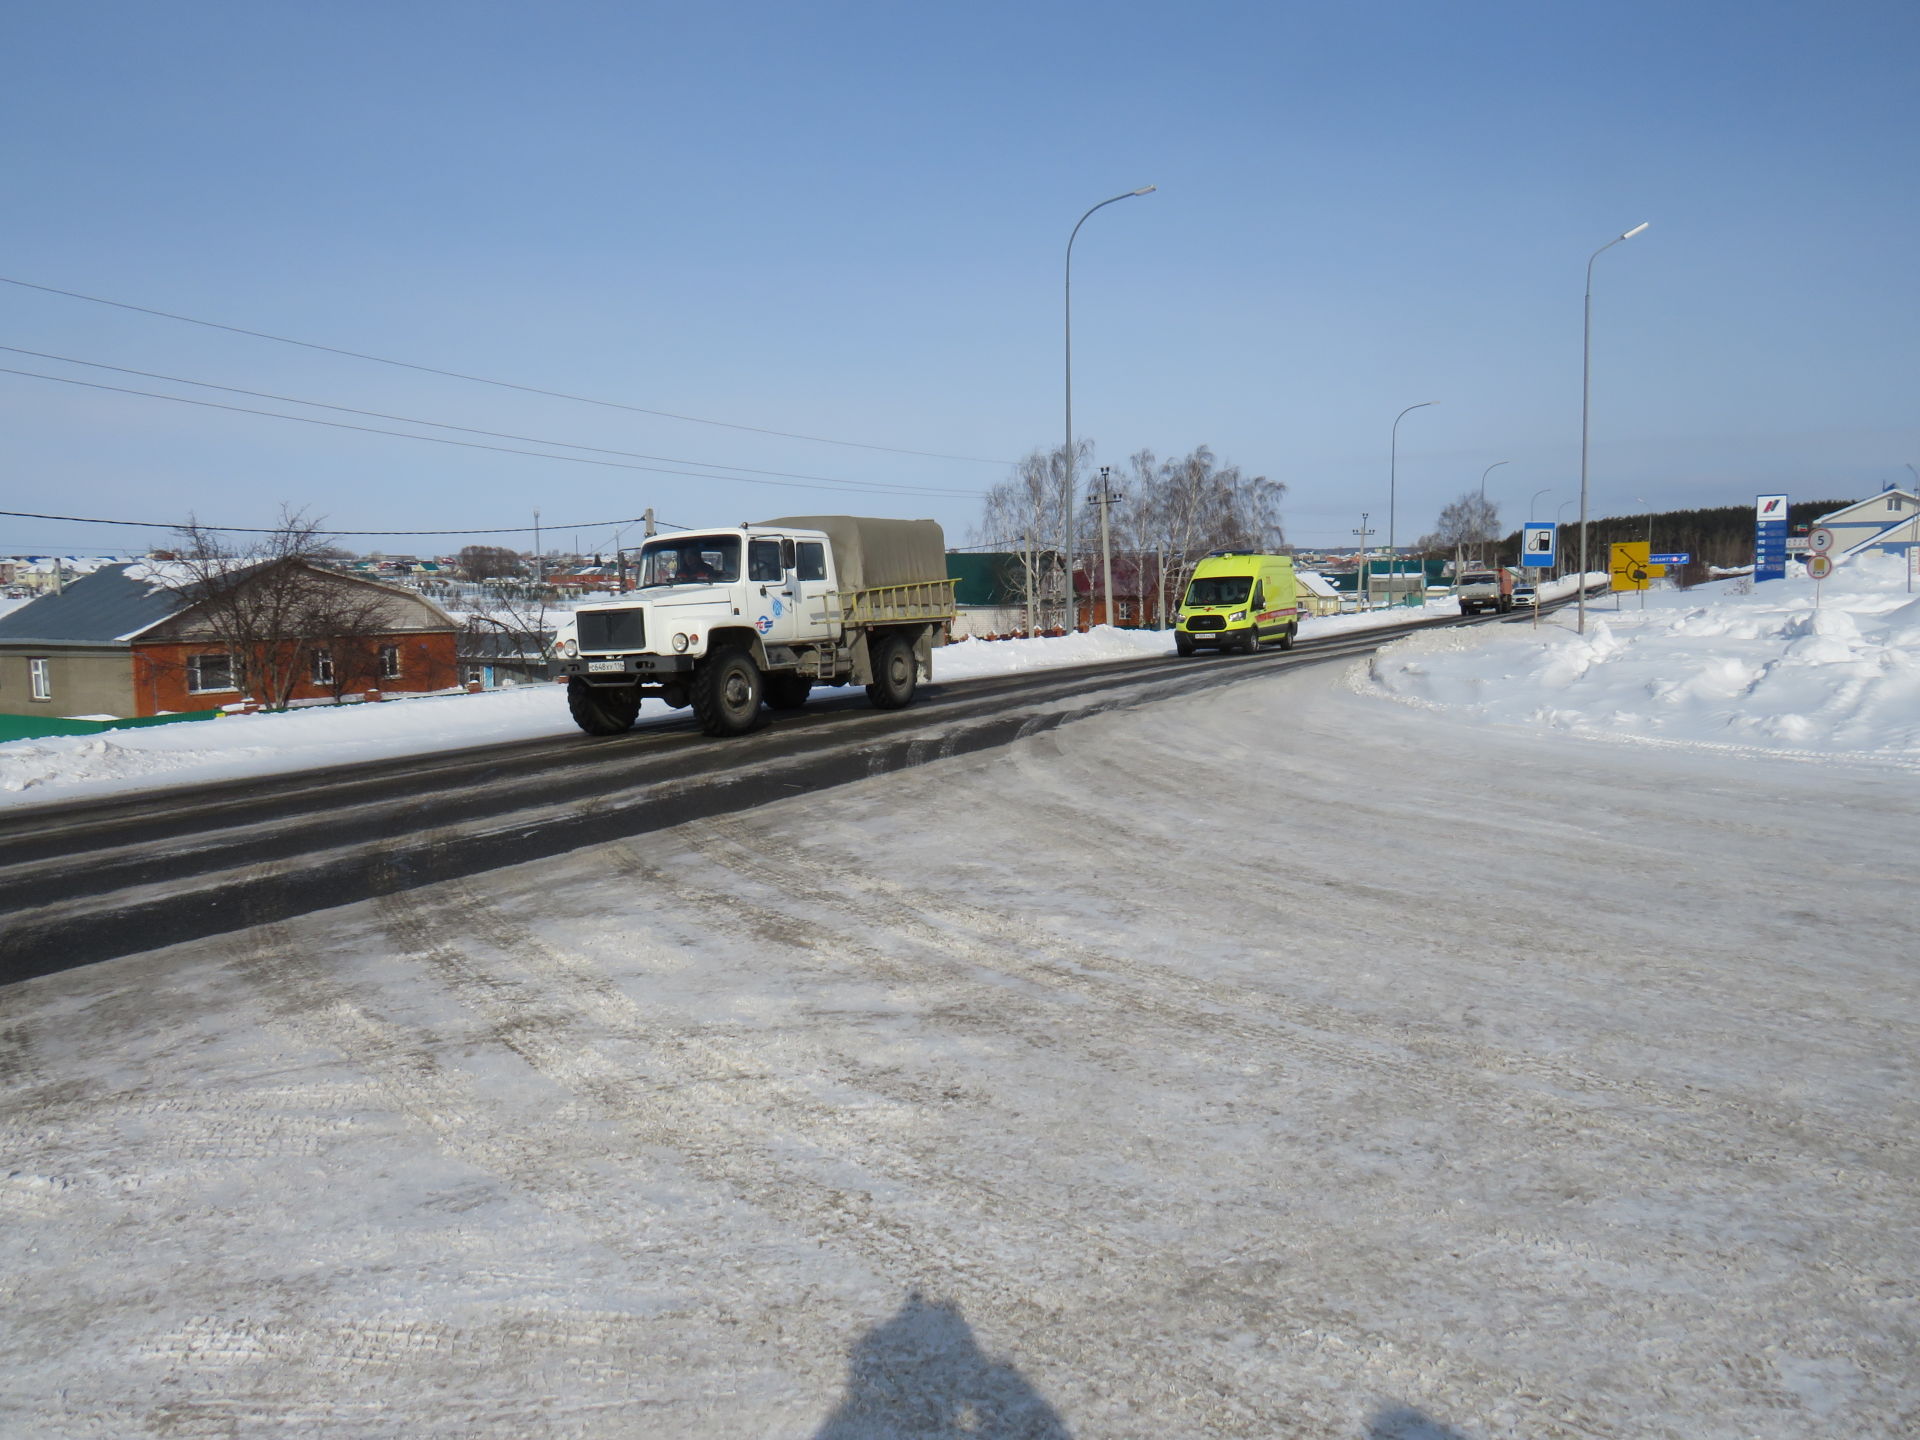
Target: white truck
[(724, 620), (1485, 590)]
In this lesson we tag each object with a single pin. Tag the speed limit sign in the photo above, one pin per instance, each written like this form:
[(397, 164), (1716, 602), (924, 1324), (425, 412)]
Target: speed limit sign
[(1820, 567), (1820, 540)]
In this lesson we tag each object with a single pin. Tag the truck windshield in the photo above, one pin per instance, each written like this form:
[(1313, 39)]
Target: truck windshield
[(691, 560), (1219, 590)]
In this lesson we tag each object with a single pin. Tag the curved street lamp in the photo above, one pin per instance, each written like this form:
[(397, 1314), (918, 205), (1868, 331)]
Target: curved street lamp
[(1073, 611), (1586, 373), (1483, 487), (1393, 488), (1536, 496)]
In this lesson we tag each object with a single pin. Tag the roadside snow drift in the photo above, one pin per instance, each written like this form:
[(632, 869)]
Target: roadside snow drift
[(1727, 664)]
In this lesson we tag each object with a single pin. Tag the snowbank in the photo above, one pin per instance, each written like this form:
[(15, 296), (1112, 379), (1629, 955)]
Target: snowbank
[(1730, 664)]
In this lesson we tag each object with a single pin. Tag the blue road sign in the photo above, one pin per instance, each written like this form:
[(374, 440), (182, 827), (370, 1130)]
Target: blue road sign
[(1770, 537), (1678, 557), (1536, 544)]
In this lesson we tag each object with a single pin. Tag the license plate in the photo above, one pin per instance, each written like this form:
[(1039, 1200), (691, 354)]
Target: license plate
[(601, 667)]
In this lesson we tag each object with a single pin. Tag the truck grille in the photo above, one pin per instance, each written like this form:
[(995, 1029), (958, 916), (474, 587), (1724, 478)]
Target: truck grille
[(1207, 622), (612, 630)]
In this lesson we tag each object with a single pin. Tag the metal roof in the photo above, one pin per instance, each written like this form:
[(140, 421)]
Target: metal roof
[(104, 608)]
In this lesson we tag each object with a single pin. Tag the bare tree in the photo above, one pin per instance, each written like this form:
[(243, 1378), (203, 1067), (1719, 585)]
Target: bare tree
[(271, 607), (1468, 523), (489, 562), (1027, 512), (1174, 511)]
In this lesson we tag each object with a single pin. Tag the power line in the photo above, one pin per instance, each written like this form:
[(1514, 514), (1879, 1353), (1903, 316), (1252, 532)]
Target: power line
[(281, 529), (483, 380), (859, 486), (465, 429)]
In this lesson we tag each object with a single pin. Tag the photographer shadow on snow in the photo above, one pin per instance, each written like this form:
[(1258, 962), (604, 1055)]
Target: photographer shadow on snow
[(920, 1374), (1402, 1423)]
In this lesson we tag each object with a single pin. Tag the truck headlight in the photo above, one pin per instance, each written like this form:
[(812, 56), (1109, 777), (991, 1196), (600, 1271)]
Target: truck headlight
[(1236, 617), (569, 648), (680, 644)]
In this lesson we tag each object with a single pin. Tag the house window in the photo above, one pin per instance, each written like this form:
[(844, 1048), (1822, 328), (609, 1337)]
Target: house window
[(389, 662), (42, 672), (206, 673), (323, 667), (475, 675)]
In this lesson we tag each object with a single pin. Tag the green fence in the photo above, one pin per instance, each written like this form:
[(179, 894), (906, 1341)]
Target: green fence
[(38, 727)]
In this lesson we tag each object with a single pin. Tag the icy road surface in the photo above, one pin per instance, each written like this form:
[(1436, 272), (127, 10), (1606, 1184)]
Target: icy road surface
[(1277, 1063)]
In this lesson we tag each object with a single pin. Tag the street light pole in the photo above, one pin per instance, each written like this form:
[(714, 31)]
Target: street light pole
[(1360, 579), (1072, 604), (1536, 496), (1559, 550), (1393, 487), (1483, 488), (1586, 390)]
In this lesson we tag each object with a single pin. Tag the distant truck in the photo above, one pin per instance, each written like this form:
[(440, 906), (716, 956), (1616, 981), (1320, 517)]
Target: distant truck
[(725, 620), (1238, 600), (1479, 590)]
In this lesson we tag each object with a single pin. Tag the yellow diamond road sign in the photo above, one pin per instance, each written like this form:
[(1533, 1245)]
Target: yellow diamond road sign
[(1630, 567)]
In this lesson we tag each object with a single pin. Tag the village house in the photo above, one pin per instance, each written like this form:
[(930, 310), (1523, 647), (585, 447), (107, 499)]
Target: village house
[(134, 639)]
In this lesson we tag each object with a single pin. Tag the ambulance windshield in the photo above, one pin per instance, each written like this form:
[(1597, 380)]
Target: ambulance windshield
[(1219, 590)]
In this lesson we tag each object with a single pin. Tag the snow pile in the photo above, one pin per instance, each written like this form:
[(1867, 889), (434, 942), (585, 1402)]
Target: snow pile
[(1727, 664)]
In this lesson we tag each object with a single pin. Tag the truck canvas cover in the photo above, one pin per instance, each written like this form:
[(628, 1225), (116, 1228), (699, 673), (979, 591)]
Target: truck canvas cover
[(870, 553)]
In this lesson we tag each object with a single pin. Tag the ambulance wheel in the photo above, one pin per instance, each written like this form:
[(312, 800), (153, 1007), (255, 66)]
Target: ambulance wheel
[(895, 672), (1250, 642), (726, 693), (787, 692), (1182, 645), (1287, 636), (602, 709)]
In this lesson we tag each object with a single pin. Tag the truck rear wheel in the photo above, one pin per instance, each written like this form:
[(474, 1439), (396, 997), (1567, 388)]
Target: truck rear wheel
[(895, 672), (786, 692), (726, 693), (602, 709)]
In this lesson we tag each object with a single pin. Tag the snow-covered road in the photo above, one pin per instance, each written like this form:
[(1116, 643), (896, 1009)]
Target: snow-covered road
[(1279, 1062)]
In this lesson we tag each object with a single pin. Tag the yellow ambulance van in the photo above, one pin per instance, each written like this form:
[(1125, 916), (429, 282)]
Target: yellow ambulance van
[(1239, 601)]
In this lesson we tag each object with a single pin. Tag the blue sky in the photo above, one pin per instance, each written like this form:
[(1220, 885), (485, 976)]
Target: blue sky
[(848, 221)]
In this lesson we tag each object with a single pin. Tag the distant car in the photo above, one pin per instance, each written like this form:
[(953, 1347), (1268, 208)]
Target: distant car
[(18, 594), (1524, 593)]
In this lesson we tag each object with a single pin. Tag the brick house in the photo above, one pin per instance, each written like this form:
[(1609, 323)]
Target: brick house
[(129, 640)]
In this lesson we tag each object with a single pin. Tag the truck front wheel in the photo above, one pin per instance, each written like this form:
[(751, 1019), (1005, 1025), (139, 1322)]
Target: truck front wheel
[(602, 709), (726, 693), (895, 672)]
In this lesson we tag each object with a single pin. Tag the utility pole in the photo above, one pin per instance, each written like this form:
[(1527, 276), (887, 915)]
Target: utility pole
[(1366, 559), (539, 561), (1105, 500), (1032, 619)]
